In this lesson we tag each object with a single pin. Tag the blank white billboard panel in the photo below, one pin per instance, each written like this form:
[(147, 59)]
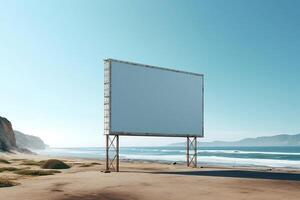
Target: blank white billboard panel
[(146, 100)]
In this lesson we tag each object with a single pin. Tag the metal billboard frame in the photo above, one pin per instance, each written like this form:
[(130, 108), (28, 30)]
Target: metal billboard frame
[(112, 138)]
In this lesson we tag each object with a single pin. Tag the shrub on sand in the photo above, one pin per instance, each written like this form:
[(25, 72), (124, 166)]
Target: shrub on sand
[(95, 163), (18, 159), (2, 160), (32, 162), (7, 183), (2, 169), (31, 172), (86, 165), (89, 164), (55, 164)]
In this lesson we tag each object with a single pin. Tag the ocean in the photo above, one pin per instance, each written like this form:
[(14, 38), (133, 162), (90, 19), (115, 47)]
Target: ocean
[(223, 156)]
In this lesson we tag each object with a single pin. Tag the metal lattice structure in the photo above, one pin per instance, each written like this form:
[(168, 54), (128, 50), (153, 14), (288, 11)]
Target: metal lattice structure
[(191, 152), (107, 99), (112, 142), (112, 153)]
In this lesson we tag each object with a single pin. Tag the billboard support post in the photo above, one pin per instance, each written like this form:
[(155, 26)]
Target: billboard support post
[(191, 152), (107, 153), (112, 153), (187, 151)]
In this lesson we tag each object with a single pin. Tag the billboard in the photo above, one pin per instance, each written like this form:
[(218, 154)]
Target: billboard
[(144, 100)]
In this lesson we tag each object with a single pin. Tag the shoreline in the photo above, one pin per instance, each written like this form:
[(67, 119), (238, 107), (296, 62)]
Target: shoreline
[(201, 164), (154, 162), (147, 180), (163, 162), (277, 158)]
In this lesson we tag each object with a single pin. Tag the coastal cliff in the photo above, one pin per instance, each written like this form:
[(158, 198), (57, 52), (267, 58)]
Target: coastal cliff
[(11, 140), (7, 136)]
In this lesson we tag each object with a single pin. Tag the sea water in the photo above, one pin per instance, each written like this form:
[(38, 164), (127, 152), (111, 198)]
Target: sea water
[(229, 156)]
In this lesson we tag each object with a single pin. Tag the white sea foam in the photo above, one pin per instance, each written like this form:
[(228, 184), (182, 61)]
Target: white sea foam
[(249, 161), (247, 152), (171, 150), (223, 151), (220, 160), (154, 157)]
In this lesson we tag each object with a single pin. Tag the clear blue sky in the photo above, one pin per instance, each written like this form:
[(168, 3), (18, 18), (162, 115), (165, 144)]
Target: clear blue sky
[(51, 69)]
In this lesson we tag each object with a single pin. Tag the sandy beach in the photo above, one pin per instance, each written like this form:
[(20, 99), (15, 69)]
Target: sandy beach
[(147, 181)]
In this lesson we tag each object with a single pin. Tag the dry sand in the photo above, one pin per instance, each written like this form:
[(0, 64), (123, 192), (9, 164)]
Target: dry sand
[(150, 181)]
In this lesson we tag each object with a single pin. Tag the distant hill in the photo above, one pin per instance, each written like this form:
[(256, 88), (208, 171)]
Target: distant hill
[(29, 141), (277, 140)]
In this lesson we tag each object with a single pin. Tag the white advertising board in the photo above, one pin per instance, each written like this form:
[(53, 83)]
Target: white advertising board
[(144, 100)]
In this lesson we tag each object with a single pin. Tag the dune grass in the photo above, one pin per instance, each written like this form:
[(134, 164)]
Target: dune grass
[(7, 183), (95, 163), (2, 160), (31, 172), (86, 165), (89, 164), (54, 164), (2, 169), (33, 162), (18, 159)]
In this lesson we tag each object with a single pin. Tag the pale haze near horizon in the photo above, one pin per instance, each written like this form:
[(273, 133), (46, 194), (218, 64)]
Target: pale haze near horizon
[(52, 53)]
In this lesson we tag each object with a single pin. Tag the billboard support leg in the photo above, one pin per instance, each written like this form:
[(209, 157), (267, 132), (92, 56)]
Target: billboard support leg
[(187, 151), (112, 153), (107, 153), (191, 151)]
